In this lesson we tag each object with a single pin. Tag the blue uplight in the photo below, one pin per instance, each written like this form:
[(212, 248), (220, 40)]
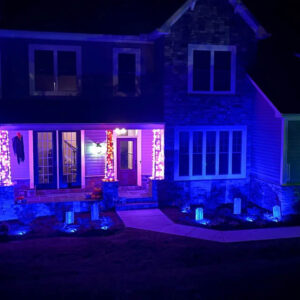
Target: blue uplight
[(186, 209), (21, 231), (203, 222), (104, 223), (70, 228), (250, 219)]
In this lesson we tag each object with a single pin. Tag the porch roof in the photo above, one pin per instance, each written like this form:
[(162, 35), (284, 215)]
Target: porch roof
[(81, 126)]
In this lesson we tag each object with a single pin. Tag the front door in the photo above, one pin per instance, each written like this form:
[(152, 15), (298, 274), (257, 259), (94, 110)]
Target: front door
[(127, 161), (45, 175), (69, 159)]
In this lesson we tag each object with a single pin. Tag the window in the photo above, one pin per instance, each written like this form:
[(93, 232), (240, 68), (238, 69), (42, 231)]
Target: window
[(126, 71), (210, 152), (54, 70), (212, 69)]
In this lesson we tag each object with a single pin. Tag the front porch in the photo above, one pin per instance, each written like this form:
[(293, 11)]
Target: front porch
[(72, 162)]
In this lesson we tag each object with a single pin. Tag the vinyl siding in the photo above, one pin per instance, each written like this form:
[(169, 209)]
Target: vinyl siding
[(293, 151), (94, 164), (19, 171), (147, 137), (266, 140)]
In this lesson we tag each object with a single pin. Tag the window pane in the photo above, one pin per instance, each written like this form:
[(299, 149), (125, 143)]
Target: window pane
[(222, 71), (67, 73), (126, 73), (69, 156), (43, 70), (211, 153), (197, 152), (236, 152), (224, 152), (45, 157), (184, 154), (201, 70), (126, 156)]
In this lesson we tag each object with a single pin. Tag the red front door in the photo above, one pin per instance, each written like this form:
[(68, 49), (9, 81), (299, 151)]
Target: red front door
[(126, 161)]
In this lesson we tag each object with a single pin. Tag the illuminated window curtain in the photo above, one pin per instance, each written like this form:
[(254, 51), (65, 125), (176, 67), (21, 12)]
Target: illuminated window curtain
[(158, 156), (5, 171), (109, 159)]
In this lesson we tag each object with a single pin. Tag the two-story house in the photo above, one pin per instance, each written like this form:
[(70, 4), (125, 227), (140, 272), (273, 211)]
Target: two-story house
[(172, 112)]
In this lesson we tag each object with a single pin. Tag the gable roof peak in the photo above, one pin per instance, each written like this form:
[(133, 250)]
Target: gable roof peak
[(239, 8)]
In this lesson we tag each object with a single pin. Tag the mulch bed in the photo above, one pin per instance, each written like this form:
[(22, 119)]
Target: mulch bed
[(225, 222), (50, 226)]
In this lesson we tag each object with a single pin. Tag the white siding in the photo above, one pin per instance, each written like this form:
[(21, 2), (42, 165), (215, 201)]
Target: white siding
[(266, 141), (19, 171), (147, 138), (94, 163)]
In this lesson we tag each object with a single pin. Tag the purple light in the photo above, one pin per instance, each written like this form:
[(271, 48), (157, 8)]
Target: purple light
[(158, 168), (5, 171)]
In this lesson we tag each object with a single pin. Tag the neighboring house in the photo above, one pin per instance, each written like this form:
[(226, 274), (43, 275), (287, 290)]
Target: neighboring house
[(175, 110)]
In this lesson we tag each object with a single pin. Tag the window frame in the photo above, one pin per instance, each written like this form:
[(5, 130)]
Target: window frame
[(55, 49), (137, 53), (205, 129), (212, 49)]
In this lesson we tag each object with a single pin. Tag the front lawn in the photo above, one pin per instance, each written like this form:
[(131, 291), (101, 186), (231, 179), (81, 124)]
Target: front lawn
[(136, 264)]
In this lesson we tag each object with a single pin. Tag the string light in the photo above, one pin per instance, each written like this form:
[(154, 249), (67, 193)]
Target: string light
[(5, 171), (158, 158), (109, 161)]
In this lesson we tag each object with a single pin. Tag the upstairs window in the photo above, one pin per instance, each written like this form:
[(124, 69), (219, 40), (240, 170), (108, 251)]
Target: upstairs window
[(54, 70), (212, 69), (126, 71), (210, 152)]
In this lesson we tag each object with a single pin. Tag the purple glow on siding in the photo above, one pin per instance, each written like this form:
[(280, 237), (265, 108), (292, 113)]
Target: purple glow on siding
[(158, 170), (5, 170)]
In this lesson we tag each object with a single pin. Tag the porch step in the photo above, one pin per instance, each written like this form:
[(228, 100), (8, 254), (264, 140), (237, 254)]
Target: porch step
[(137, 205), (135, 200)]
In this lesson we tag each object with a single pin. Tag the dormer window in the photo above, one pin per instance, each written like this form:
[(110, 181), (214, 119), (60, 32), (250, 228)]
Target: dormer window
[(126, 71), (211, 69), (54, 70)]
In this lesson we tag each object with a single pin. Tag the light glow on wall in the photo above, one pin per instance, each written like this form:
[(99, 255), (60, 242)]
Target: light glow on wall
[(158, 157), (109, 159), (121, 131), (5, 170), (98, 149)]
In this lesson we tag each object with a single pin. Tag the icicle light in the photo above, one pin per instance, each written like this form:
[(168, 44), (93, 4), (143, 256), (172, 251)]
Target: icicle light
[(5, 171)]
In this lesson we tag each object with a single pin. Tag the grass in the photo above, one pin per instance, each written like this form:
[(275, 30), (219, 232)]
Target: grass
[(135, 264)]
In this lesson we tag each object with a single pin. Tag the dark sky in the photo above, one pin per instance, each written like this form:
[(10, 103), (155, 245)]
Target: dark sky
[(273, 14)]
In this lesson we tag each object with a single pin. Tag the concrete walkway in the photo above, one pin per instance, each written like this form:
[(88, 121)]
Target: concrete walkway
[(156, 220)]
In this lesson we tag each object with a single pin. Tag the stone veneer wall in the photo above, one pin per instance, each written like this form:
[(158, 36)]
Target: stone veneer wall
[(267, 194), (211, 22), (27, 212)]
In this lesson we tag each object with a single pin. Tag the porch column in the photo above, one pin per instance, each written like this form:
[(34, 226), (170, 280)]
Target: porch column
[(158, 155), (109, 184), (5, 168), (109, 158)]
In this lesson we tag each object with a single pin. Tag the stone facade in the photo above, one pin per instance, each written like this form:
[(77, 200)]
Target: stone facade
[(28, 212), (267, 195), (211, 22)]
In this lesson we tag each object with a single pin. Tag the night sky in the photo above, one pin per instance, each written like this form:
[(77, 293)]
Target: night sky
[(277, 16)]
